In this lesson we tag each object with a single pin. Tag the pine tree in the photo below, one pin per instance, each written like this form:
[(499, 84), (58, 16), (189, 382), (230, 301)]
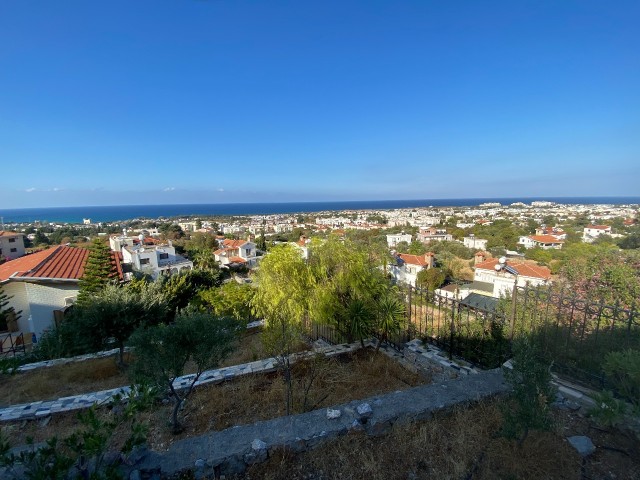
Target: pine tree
[(98, 271), (6, 313)]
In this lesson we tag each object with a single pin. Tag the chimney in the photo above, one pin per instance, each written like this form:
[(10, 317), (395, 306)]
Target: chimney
[(429, 259), (479, 257)]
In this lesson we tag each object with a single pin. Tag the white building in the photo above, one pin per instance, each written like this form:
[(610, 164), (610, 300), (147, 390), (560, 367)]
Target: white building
[(11, 245), (155, 260), (407, 267), (238, 252), (503, 281), (433, 234), (545, 242), (591, 232), (474, 242), (43, 285), (395, 238)]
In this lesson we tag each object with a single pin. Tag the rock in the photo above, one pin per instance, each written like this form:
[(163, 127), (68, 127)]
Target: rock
[(333, 414), (258, 453), (356, 427), (364, 410), (200, 463), (258, 444), (583, 445)]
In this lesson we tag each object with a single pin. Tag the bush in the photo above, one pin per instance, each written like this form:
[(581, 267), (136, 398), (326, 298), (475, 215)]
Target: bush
[(532, 394), (623, 370)]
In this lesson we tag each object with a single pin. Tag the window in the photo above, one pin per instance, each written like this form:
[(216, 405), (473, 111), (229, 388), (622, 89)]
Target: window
[(13, 250), (247, 251), (164, 256), (144, 261), (12, 240)]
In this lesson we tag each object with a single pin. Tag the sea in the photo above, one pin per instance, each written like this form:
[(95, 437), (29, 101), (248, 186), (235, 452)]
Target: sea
[(117, 213)]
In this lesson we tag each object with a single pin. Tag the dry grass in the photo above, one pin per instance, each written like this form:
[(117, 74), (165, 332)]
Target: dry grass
[(463, 444), (256, 397), (93, 375), (61, 381)]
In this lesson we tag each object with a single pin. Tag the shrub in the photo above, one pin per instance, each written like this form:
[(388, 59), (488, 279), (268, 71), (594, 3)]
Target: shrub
[(532, 393)]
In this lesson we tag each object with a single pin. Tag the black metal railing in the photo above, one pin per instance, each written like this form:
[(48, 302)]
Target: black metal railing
[(573, 333), (11, 344)]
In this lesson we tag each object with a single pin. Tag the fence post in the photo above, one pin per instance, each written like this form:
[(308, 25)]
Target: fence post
[(454, 306), (514, 297)]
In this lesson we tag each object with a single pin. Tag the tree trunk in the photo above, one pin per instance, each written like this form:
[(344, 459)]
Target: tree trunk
[(177, 428)]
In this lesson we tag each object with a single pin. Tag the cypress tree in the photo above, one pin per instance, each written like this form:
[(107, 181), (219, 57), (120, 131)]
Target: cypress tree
[(6, 313), (98, 271)]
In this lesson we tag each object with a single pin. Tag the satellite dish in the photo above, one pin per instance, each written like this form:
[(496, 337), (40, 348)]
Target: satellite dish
[(503, 260), (498, 267)]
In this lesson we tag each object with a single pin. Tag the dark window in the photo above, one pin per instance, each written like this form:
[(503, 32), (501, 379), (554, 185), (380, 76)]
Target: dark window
[(13, 250), (164, 256), (12, 240), (144, 261)]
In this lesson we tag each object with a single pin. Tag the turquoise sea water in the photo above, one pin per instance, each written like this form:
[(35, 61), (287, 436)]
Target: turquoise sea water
[(128, 212)]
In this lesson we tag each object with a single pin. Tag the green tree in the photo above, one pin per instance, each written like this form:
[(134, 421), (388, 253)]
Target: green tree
[(402, 247), (8, 315), (390, 316), (539, 255), (281, 298), (417, 248), (604, 275), (41, 239), (230, 300), (115, 313), (344, 282), (99, 271), (530, 379), (431, 278), (183, 287), (163, 351), (630, 242)]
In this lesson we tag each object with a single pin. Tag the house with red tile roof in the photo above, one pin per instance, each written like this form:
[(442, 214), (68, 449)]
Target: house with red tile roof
[(591, 232), (546, 242), (154, 259), (241, 252), (406, 267), (11, 245), (502, 281), (44, 283)]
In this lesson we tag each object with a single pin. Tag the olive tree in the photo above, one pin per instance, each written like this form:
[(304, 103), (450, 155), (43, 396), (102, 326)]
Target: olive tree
[(163, 351)]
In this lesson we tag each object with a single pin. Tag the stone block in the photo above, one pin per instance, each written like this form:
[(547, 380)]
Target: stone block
[(333, 414), (583, 445)]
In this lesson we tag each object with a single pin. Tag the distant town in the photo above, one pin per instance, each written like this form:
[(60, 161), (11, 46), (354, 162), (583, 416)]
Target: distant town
[(468, 248)]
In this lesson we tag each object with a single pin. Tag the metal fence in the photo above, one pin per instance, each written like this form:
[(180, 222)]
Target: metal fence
[(11, 344), (574, 333)]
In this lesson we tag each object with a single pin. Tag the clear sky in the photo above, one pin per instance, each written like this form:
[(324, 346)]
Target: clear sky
[(207, 101)]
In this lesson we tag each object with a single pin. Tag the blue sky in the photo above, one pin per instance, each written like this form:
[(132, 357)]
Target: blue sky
[(207, 101)]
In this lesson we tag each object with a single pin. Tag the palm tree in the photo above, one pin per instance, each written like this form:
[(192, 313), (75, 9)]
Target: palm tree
[(360, 318), (390, 316)]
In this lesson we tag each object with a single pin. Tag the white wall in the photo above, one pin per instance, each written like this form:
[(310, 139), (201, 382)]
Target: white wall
[(44, 299)]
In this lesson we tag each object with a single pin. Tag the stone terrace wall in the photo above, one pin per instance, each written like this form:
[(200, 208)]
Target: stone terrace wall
[(230, 451)]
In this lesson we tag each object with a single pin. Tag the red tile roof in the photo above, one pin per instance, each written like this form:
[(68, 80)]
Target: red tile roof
[(4, 233), (598, 227), (61, 262), (524, 269), (237, 260), (545, 239), (413, 259), (233, 243)]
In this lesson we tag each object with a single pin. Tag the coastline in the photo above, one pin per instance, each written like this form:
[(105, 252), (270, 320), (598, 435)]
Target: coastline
[(75, 215)]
